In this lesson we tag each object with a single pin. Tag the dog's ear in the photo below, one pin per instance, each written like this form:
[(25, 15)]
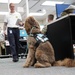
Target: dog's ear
[(31, 21), (27, 26)]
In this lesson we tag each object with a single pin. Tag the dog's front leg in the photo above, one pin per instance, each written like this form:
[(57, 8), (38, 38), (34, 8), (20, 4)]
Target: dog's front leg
[(30, 57)]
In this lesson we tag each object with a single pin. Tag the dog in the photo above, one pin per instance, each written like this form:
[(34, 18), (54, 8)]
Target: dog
[(67, 62), (40, 53)]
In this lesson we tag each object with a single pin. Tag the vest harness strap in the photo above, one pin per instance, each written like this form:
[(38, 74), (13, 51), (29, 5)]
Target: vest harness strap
[(40, 38)]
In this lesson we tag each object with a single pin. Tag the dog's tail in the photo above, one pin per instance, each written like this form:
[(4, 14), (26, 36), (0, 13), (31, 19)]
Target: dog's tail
[(66, 62)]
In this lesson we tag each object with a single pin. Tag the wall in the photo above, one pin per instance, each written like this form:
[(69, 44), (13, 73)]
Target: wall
[(1, 25), (44, 21)]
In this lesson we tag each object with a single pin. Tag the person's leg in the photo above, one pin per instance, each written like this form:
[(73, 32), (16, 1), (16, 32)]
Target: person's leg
[(12, 44), (17, 41)]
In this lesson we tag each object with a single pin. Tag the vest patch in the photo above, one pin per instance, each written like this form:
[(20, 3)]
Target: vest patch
[(40, 38)]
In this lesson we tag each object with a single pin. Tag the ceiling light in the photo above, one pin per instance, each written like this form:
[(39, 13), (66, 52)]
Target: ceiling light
[(36, 14), (43, 12), (11, 1), (52, 3)]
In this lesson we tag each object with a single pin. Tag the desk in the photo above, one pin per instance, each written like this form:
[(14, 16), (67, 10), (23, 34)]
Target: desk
[(59, 33), (23, 47), (22, 40), (2, 48)]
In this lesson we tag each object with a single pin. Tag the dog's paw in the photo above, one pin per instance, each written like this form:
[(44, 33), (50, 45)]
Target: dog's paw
[(58, 63), (25, 66), (40, 65)]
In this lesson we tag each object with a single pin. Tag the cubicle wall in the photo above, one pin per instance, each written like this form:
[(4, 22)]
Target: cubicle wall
[(72, 20), (60, 35)]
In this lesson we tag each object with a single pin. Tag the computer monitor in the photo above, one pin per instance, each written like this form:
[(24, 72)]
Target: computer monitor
[(60, 8), (23, 33)]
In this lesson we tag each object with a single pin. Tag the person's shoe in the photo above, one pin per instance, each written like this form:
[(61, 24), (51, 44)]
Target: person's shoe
[(15, 60)]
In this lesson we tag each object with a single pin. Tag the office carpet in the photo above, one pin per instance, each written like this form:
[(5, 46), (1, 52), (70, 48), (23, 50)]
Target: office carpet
[(7, 67)]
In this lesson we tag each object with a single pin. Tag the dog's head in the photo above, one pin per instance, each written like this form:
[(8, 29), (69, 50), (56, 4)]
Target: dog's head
[(30, 22)]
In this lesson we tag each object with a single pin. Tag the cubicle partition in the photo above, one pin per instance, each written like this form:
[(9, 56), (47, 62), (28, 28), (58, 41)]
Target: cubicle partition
[(60, 35)]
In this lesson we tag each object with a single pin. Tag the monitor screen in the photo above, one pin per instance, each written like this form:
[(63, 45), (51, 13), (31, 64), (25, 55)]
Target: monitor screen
[(60, 8), (23, 33)]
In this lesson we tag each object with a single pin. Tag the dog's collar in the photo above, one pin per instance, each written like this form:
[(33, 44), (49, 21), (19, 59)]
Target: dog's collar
[(31, 31), (34, 34)]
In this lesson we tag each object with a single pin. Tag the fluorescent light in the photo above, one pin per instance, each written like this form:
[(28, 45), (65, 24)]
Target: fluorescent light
[(38, 14), (11, 1), (52, 3), (4, 13)]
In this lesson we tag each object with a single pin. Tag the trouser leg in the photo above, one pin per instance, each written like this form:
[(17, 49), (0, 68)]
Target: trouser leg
[(11, 39), (17, 41)]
